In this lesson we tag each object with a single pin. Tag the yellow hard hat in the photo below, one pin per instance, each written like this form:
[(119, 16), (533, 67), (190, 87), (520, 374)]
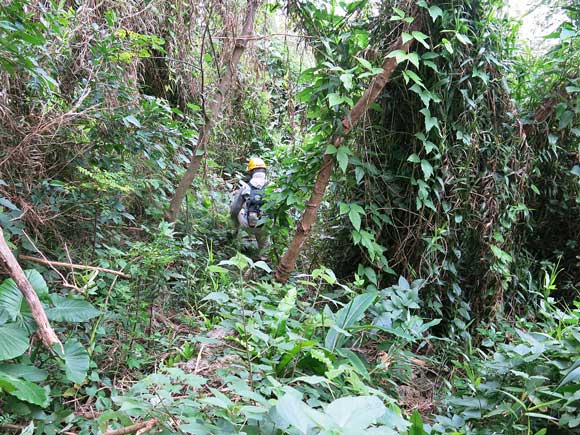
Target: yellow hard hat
[(255, 163)]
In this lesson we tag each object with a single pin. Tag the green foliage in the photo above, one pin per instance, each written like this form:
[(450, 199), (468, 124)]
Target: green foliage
[(76, 361), (462, 179), (24, 390), (16, 325), (347, 415), (527, 377), (346, 318), (13, 341), (21, 35)]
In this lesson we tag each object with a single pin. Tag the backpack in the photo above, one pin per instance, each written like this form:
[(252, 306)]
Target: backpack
[(254, 202)]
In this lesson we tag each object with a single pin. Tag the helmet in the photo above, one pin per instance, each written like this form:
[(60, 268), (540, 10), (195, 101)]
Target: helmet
[(255, 163)]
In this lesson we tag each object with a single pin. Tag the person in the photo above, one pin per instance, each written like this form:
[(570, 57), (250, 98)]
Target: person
[(245, 208)]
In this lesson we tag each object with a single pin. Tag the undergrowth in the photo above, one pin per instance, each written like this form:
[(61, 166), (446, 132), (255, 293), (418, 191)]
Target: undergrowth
[(439, 294)]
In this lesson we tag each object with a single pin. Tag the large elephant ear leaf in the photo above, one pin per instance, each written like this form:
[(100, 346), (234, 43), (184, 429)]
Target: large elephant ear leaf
[(24, 390), (37, 282), (11, 299), (70, 310), (76, 361), (12, 303), (13, 341)]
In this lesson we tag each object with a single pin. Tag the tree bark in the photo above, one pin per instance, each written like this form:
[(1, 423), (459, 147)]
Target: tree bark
[(214, 112), (47, 334), (288, 260)]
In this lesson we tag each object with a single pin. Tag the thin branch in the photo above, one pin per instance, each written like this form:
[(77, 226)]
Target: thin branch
[(260, 37), (139, 428), (75, 266)]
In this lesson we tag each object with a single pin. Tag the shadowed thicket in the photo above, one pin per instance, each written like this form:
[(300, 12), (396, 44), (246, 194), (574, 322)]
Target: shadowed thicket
[(450, 174)]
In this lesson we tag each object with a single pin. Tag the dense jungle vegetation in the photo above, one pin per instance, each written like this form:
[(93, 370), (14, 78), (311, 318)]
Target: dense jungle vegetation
[(424, 216)]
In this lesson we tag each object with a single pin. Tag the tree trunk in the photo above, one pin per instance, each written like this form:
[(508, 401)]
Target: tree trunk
[(47, 334), (213, 112), (288, 261)]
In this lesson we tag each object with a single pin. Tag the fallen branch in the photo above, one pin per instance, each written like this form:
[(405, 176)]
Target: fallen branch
[(139, 428), (74, 266), (47, 334)]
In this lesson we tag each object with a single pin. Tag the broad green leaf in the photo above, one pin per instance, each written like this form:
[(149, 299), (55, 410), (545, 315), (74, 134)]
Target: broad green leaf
[(24, 390), (399, 55), (427, 169), (37, 39), (76, 361), (330, 149), (463, 39), (567, 33), (5, 203), (435, 11), (346, 80), (572, 375), (304, 95), (71, 310), (431, 65), (356, 413), (262, 265), (414, 59), (447, 45), (334, 99), (413, 76), (37, 282), (501, 254), (220, 297), (24, 371), (13, 341), (430, 121), (365, 63), (11, 298), (429, 146), (406, 37), (347, 316), (355, 219), (297, 414), (355, 360), (403, 283), (342, 157), (359, 174), (217, 269), (421, 37), (414, 158), (566, 119)]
